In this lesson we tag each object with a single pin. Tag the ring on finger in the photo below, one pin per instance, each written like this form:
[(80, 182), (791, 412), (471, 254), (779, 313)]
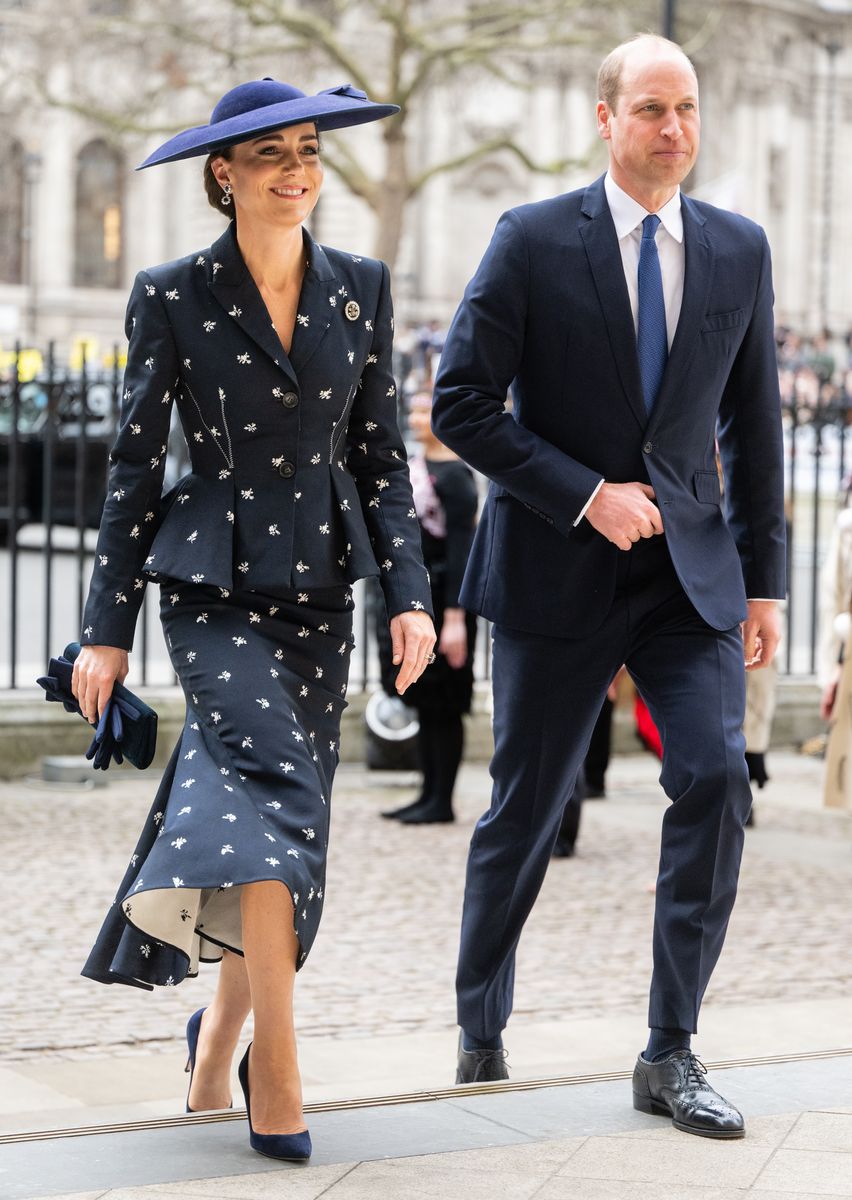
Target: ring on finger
[(431, 658)]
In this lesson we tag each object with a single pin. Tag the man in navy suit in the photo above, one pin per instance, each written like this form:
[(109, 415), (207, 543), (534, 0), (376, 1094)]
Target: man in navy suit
[(634, 326)]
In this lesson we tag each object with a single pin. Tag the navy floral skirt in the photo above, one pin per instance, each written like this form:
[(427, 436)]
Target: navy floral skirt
[(246, 794)]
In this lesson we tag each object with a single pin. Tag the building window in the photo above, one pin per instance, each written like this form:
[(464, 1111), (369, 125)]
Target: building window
[(98, 232), (12, 211)]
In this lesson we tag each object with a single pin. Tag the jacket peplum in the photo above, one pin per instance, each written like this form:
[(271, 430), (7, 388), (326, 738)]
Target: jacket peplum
[(298, 471)]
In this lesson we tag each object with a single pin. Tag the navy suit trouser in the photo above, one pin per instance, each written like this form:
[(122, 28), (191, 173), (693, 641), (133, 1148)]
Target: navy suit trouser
[(548, 692)]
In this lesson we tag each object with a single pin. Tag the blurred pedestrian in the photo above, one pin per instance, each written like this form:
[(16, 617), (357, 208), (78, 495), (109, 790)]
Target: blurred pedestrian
[(445, 500), (277, 352)]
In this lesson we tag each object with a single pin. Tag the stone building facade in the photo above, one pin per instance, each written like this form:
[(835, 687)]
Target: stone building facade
[(76, 222)]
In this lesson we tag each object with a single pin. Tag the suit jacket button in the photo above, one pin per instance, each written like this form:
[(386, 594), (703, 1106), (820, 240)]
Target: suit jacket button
[(287, 470), (289, 399), (647, 448)]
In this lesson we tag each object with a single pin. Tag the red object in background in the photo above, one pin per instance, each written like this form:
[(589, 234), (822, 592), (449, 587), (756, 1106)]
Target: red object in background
[(646, 728)]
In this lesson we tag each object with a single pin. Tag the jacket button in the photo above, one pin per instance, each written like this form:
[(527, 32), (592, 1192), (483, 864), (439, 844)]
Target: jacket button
[(287, 470), (289, 399), (647, 448)]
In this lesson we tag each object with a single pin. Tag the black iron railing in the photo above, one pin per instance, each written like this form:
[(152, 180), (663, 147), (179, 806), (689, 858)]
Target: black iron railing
[(58, 422)]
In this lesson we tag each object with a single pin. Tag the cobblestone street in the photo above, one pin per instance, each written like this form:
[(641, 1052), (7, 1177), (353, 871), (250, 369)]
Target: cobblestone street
[(384, 962)]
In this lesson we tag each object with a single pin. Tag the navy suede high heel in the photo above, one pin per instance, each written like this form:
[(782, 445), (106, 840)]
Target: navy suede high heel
[(296, 1147), (193, 1028)]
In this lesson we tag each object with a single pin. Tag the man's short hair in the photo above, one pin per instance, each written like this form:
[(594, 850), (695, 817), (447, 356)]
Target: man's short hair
[(612, 67)]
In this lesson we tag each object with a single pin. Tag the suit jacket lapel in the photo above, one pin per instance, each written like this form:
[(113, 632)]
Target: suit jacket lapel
[(601, 243), (320, 298), (231, 283), (698, 277)]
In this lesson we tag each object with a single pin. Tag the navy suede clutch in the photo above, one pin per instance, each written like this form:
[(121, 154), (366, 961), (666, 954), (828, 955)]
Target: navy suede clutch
[(127, 727)]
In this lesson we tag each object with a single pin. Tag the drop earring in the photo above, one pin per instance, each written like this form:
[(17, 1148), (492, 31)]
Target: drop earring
[(226, 196)]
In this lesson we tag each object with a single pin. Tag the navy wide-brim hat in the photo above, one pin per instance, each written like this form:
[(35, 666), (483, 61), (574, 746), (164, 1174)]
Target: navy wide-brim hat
[(265, 104)]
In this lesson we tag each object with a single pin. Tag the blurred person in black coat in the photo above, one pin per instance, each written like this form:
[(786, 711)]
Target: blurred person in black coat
[(445, 500)]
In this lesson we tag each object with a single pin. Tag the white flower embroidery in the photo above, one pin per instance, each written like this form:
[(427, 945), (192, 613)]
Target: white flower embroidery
[(238, 640), (315, 460), (244, 359), (293, 853), (150, 290), (215, 717), (262, 701), (234, 312), (302, 567), (325, 394), (173, 294), (303, 320), (103, 559), (251, 427), (417, 605), (187, 808), (198, 578), (274, 531), (209, 326), (227, 849), (302, 598), (187, 783), (325, 528), (273, 804), (286, 767), (178, 842), (120, 598), (303, 691), (247, 743), (297, 736), (318, 672), (310, 835), (190, 754), (192, 537), (243, 567), (381, 484), (273, 862), (229, 817)]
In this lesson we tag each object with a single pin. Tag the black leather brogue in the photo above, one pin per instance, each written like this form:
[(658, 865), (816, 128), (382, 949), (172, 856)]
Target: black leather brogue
[(480, 1066), (677, 1087)]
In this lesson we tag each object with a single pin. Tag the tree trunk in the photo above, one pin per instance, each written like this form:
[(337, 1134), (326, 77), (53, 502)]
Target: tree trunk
[(393, 194)]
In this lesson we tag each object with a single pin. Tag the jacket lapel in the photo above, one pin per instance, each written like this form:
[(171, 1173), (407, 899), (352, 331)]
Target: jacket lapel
[(320, 298), (231, 283), (601, 244), (698, 278)]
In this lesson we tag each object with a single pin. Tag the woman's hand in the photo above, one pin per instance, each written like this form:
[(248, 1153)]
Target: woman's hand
[(96, 669), (453, 640), (413, 639), (828, 699)]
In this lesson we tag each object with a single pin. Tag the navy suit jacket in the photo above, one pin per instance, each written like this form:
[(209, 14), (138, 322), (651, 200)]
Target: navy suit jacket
[(299, 476), (548, 314)]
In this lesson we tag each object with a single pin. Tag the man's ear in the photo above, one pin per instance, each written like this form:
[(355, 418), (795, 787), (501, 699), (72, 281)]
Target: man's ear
[(603, 115)]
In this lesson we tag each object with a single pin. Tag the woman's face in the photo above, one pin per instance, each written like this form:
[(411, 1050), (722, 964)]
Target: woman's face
[(276, 177)]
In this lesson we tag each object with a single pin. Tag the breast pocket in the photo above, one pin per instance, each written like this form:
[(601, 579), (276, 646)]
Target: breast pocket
[(719, 322)]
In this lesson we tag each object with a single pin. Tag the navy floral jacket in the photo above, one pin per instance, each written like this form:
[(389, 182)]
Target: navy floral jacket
[(299, 476)]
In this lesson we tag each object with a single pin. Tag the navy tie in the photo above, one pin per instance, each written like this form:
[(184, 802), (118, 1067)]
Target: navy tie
[(652, 340)]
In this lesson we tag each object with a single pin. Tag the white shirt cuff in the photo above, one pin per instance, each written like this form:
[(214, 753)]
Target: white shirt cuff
[(585, 507)]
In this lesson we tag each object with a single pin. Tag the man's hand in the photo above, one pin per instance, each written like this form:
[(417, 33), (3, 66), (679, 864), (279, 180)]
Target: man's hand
[(453, 640), (761, 633), (96, 668), (623, 513), (413, 639)]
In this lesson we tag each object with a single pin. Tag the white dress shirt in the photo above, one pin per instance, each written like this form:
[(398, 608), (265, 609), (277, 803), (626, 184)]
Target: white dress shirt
[(627, 216)]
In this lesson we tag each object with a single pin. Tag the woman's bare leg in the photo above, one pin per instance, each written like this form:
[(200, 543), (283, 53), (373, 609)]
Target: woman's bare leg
[(221, 1027), (271, 946)]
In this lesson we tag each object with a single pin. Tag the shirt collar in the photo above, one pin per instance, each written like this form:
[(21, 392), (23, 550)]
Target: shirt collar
[(628, 213)]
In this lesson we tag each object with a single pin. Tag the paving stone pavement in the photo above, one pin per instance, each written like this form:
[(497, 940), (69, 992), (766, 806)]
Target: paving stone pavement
[(384, 962)]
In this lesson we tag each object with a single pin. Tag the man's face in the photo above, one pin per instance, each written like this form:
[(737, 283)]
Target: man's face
[(654, 133)]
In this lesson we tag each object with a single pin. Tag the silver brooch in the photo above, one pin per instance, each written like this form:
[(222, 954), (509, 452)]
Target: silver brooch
[(352, 310)]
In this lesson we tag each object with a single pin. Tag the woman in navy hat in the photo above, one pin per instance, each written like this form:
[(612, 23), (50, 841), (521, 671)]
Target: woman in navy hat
[(277, 353)]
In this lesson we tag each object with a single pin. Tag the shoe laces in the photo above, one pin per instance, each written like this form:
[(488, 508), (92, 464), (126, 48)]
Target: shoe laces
[(484, 1058), (696, 1071)]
